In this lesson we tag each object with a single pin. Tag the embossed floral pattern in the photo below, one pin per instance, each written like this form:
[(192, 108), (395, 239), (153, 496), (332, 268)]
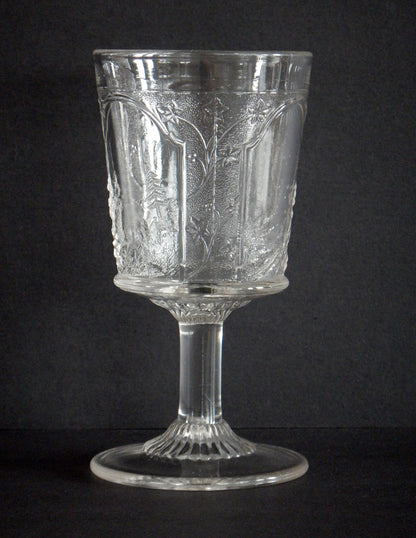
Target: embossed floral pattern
[(210, 224), (259, 111), (214, 111), (230, 155), (169, 113)]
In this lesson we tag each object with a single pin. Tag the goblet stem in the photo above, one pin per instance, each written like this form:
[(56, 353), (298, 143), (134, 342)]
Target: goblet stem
[(199, 433), (200, 372), (199, 450)]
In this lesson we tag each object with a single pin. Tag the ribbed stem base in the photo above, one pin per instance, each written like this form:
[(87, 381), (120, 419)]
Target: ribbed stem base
[(198, 441)]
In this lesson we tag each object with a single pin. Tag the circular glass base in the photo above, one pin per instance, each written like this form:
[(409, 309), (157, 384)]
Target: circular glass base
[(266, 465)]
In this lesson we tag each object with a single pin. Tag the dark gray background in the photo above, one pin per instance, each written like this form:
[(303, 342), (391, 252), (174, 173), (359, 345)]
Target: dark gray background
[(337, 348)]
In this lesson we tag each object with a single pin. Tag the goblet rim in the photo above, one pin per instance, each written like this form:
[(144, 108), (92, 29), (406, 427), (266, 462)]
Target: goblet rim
[(187, 53)]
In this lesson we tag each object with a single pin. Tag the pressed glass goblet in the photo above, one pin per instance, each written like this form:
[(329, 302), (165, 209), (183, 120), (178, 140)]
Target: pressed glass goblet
[(202, 149)]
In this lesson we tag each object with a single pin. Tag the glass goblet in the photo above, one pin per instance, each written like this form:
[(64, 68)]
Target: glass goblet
[(202, 149)]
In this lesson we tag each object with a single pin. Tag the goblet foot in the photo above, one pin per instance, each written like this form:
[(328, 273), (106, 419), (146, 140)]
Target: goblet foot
[(196, 457)]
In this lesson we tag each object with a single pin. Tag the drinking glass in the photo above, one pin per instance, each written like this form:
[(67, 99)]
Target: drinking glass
[(201, 149)]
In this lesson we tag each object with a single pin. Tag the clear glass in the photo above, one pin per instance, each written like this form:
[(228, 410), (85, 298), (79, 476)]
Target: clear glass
[(202, 149)]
